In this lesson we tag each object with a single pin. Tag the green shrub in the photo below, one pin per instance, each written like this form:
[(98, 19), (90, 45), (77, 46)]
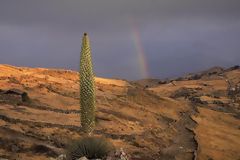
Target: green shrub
[(90, 147), (25, 97)]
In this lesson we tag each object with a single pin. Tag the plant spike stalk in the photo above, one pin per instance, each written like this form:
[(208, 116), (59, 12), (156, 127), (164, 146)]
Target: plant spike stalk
[(87, 87)]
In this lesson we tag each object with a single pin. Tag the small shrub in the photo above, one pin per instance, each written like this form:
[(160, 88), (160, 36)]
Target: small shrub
[(90, 147), (13, 80), (25, 97)]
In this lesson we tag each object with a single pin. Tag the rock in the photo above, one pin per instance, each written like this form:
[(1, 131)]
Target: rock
[(218, 102), (14, 91), (18, 93), (14, 148), (198, 100), (82, 158), (162, 82), (62, 157), (205, 84), (118, 155), (195, 77)]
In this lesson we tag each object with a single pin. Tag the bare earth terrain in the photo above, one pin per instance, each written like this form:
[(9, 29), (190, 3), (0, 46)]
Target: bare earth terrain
[(195, 117)]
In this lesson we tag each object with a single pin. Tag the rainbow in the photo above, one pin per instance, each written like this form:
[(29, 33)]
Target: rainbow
[(135, 35)]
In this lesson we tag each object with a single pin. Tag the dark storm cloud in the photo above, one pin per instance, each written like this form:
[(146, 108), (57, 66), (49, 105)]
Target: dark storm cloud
[(178, 36)]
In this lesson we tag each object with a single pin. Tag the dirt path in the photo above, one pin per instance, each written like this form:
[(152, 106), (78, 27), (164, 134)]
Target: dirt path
[(184, 145)]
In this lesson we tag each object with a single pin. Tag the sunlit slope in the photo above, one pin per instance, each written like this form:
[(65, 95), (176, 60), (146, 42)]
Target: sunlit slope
[(163, 121)]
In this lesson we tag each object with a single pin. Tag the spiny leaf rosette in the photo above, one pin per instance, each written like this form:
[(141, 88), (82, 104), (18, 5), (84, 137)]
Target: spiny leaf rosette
[(87, 87)]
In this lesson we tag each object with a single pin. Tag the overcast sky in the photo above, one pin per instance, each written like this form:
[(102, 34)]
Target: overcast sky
[(177, 36)]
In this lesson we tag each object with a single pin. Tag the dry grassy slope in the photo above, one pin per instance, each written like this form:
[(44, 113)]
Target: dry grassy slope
[(147, 123), (218, 126)]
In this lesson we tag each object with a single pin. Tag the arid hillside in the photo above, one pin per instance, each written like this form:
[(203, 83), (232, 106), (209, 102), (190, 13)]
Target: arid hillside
[(194, 117)]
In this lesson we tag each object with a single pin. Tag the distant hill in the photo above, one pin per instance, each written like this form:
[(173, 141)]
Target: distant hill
[(211, 73)]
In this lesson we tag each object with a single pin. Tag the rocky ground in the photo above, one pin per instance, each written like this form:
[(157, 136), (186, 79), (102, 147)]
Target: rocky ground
[(194, 117)]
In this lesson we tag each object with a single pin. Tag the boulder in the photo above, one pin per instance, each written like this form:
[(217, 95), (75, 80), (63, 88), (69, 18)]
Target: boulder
[(162, 82), (82, 158), (62, 157)]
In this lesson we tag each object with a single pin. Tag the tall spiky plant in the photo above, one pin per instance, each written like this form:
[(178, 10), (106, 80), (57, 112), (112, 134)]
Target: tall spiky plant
[(87, 87)]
